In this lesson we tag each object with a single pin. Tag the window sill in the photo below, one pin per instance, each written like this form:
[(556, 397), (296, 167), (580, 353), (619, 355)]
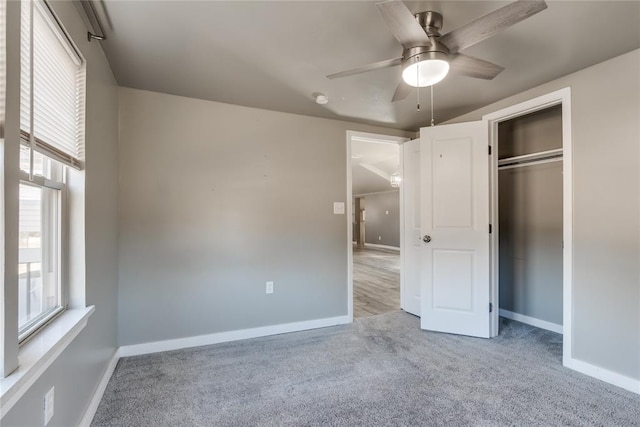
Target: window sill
[(39, 353)]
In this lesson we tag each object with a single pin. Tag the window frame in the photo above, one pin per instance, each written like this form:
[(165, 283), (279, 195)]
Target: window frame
[(57, 171), (21, 366)]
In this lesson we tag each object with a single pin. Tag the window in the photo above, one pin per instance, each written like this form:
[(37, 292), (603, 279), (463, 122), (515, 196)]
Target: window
[(52, 95), (40, 245)]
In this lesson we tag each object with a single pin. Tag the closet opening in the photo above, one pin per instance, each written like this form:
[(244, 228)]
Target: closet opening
[(531, 213), (530, 219)]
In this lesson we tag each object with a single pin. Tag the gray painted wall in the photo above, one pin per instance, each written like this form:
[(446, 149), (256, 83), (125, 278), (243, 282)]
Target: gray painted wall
[(531, 241), (218, 199), (606, 216), (382, 225), (532, 133), (530, 212), (77, 371)]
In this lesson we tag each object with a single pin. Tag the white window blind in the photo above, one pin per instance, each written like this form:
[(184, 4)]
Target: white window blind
[(54, 71)]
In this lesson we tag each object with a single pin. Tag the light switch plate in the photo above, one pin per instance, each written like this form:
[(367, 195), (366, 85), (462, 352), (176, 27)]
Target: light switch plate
[(338, 208), (48, 405)]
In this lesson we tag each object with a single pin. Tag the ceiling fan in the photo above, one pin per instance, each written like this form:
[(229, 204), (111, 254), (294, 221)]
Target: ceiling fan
[(428, 56)]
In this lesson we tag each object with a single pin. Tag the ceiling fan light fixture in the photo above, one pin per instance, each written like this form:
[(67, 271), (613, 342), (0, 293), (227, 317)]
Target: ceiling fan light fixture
[(425, 69)]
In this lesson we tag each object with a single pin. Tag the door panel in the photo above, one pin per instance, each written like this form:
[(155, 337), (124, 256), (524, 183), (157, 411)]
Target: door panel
[(412, 235), (453, 280), (454, 182)]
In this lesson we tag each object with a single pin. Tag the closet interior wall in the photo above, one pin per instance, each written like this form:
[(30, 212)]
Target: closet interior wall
[(530, 215)]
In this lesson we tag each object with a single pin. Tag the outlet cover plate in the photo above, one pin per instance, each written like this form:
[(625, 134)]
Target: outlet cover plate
[(48, 405)]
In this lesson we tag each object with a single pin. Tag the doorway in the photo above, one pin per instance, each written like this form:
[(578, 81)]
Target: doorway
[(538, 173), (374, 174), (529, 226)]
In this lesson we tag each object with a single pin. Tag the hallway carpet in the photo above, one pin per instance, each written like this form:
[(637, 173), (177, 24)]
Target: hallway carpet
[(379, 371)]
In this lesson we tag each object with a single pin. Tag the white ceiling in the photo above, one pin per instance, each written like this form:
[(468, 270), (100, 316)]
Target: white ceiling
[(276, 54), (372, 164)]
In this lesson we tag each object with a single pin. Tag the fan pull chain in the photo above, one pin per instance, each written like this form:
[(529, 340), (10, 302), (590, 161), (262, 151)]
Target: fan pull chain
[(418, 82), (433, 121)]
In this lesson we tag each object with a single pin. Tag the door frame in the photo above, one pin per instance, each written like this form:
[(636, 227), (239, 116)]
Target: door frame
[(378, 139), (559, 97)]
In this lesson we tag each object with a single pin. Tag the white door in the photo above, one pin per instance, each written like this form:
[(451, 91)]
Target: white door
[(412, 234), (454, 183)]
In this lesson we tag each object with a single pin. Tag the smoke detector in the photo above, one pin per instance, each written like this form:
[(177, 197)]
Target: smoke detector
[(322, 99)]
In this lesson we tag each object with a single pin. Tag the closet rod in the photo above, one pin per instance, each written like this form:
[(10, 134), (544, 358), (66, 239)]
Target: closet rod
[(531, 163), (533, 156)]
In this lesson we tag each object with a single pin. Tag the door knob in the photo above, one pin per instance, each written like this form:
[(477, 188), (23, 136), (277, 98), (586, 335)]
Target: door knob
[(426, 238)]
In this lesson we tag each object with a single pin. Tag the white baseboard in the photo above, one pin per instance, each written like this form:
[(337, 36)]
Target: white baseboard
[(176, 344), (605, 375), (158, 346), (376, 246), (90, 412), (610, 377), (543, 324)]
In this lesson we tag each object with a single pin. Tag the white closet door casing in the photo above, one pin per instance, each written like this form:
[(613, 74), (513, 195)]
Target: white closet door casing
[(454, 182), (412, 233)]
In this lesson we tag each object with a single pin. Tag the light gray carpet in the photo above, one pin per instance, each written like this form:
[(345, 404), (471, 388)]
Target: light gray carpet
[(381, 370)]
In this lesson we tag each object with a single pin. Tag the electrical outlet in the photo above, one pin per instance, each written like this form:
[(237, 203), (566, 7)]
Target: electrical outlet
[(48, 406), (379, 237), (269, 287)]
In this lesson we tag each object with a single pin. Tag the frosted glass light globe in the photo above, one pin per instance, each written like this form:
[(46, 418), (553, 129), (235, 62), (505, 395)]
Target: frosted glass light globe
[(425, 73)]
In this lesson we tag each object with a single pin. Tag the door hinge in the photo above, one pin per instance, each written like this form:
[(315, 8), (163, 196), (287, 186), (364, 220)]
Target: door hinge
[(490, 307), (489, 150), (490, 228)]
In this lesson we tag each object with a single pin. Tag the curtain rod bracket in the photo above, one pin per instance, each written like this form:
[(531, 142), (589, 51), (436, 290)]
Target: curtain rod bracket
[(91, 36), (94, 21)]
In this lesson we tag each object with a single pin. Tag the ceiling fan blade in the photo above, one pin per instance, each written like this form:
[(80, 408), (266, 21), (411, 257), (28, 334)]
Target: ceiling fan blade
[(490, 24), (366, 68), (465, 65), (402, 91), (403, 24)]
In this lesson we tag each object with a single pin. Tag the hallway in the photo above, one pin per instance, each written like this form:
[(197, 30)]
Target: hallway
[(376, 282)]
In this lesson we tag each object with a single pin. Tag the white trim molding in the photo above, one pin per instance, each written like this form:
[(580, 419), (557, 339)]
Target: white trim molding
[(349, 219), (180, 343), (385, 247), (605, 375), (542, 324), (542, 102), (39, 353), (90, 412), (220, 337), (559, 97), (393, 190)]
